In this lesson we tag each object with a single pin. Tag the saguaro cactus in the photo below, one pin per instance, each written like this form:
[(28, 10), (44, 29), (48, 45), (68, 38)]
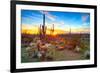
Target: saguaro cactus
[(42, 29)]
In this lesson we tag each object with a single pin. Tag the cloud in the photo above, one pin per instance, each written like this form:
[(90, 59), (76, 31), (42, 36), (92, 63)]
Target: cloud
[(84, 18), (85, 24), (48, 15), (62, 22)]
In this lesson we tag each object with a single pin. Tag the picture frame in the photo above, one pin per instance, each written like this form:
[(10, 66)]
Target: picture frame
[(21, 9)]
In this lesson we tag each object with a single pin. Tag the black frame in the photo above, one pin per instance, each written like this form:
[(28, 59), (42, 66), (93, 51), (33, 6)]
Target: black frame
[(13, 36)]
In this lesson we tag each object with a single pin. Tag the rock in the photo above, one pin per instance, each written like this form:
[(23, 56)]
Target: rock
[(77, 49)]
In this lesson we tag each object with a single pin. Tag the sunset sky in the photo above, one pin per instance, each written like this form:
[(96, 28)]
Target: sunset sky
[(63, 21)]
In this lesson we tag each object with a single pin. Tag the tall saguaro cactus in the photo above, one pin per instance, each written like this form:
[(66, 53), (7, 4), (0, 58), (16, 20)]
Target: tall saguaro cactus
[(42, 29)]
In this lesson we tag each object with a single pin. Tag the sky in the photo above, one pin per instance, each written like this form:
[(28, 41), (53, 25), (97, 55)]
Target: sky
[(78, 22)]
